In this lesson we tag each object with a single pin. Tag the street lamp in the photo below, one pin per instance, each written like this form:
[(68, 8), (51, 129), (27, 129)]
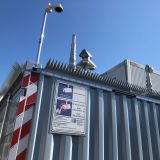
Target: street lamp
[(50, 8)]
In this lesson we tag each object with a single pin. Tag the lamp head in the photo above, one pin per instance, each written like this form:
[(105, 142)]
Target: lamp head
[(56, 7)]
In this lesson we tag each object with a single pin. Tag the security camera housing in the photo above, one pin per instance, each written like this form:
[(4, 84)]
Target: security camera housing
[(58, 8)]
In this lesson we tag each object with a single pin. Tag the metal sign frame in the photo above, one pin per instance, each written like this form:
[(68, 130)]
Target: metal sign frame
[(54, 102)]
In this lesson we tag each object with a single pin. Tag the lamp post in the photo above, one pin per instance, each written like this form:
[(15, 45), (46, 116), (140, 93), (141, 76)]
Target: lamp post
[(50, 8)]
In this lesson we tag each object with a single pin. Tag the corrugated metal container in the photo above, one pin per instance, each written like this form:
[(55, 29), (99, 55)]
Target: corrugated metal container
[(122, 121), (8, 109), (134, 73)]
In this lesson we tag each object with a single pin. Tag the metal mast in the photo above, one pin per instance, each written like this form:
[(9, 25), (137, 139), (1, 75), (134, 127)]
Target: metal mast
[(72, 60)]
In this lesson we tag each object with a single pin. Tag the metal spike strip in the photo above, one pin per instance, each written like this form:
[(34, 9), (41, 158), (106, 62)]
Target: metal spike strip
[(49, 62), (61, 66), (55, 65)]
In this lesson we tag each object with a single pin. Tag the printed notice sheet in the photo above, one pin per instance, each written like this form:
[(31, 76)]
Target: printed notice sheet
[(69, 114)]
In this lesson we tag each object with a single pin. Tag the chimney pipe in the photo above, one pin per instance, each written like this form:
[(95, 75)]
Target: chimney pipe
[(72, 61)]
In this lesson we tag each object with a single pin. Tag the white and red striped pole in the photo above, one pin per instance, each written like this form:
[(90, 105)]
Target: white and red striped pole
[(19, 141)]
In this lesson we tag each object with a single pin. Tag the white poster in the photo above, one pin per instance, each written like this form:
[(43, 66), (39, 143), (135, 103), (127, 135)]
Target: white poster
[(69, 114)]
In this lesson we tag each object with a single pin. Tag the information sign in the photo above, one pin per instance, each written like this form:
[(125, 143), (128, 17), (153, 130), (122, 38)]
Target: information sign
[(70, 107)]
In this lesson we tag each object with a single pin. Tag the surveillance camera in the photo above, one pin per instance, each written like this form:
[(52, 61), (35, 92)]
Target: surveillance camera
[(58, 8)]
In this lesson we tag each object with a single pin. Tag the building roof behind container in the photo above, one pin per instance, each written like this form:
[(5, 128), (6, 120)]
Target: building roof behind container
[(124, 62), (114, 67)]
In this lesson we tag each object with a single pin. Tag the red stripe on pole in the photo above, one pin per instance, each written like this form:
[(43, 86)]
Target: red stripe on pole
[(15, 137), (34, 77), (21, 106), (25, 80), (25, 104), (25, 129), (28, 107), (31, 99), (22, 155)]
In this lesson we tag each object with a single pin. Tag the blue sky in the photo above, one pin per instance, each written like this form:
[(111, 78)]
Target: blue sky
[(111, 30)]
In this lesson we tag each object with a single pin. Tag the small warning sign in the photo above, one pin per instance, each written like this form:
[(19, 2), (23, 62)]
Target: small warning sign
[(69, 110)]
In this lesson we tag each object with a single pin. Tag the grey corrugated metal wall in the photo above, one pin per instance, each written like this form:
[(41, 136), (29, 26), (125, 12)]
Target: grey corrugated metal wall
[(121, 124), (7, 113), (120, 127)]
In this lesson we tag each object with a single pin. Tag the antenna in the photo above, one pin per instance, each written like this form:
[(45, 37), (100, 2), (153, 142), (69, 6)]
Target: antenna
[(148, 70), (72, 60)]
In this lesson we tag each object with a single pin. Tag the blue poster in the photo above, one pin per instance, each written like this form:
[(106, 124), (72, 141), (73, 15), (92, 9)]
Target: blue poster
[(65, 91)]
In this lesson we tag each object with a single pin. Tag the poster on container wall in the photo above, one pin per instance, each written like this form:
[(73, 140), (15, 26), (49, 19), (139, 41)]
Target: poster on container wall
[(70, 109)]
